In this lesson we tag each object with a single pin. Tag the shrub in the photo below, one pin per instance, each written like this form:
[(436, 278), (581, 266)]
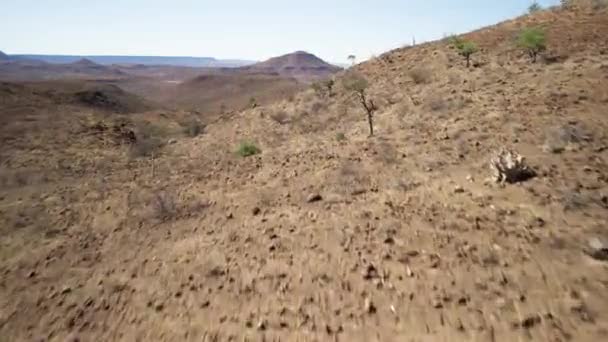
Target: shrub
[(340, 136), (323, 88), (533, 40), (146, 147), (357, 84), (148, 140), (466, 49), (420, 75), (558, 138), (280, 117), (164, 207), (534, 7), (247, 149), (192, 128)]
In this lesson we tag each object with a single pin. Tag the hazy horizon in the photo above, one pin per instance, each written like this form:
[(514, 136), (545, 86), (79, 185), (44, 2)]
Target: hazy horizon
[(238, 30)]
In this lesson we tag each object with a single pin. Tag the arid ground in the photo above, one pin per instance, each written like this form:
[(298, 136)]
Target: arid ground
[(122, 219)]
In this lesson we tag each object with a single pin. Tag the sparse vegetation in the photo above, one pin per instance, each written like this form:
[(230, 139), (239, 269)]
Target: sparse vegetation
[(280, 116), (192, 127), (533, 40), (164, 207), (340, 136), (146, 147), (558, 138), (253, 103), (149, 140), (247, 149), (323, 88), (421, 75), (465, 48), (357, 84)]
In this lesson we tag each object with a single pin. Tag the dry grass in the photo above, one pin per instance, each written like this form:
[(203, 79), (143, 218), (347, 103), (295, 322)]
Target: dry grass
[(280, 116), (164, 207), (192, 128), (421, 75)]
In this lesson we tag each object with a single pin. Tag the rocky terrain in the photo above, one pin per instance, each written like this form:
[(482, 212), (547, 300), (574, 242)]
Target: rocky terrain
[(142, 226)]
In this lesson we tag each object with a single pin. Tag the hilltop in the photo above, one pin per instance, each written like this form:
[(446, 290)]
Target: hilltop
[(286, 221), (300, 65)]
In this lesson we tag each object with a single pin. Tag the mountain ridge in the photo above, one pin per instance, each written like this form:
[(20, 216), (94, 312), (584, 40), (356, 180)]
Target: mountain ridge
[(144, 60)]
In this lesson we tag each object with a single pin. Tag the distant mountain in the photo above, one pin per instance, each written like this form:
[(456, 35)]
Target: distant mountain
[(143, 60), (84, 62), (3, 56), (300, 65)]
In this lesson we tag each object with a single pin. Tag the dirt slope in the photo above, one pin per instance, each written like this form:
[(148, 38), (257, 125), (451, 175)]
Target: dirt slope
[(328, 234)]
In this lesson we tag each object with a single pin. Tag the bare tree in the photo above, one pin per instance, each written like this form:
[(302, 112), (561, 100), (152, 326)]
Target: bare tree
[(357, 84)]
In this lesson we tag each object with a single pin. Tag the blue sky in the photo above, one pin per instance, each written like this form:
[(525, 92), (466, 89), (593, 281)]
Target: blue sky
[(245, 29)]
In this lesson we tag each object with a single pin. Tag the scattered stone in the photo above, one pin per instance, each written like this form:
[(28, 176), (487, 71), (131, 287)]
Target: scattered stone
[(409, 272), (597, 249), (358, 191), (262, 325), (229, 216), (370, 308), (528, 322), (389, 240), (510, 167), (370, 272), (458, 189), (256, 211), (32, 274), (314, 197), (436, 303), (159, 307), (412, 253), (66, 290), (172, 141)]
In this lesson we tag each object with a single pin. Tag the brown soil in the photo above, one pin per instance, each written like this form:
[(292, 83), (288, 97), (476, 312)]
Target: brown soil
[(327, 234)]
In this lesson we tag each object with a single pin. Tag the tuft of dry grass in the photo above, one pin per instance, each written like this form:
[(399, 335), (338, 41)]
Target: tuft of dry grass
[(421, 75), (192, 128), (280, 116), (164, 207), (557, 138)]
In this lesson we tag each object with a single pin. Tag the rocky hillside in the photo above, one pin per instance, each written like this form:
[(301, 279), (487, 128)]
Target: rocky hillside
[(287, 221)]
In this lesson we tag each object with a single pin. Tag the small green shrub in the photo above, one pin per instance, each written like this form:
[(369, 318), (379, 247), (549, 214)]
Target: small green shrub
[(340, 136), (247, 149), (533, 40), (464, 47)]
